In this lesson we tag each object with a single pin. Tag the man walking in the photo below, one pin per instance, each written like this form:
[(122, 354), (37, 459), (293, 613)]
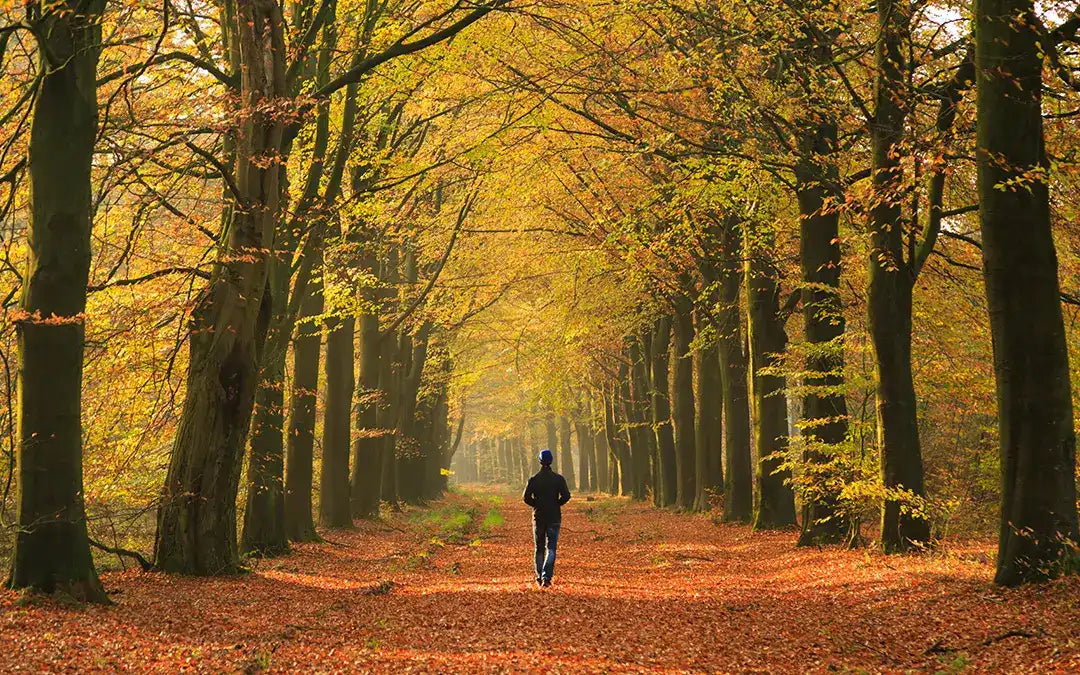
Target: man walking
[(546, 493)]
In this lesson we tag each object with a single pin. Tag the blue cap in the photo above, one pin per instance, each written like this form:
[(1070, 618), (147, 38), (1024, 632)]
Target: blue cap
[(546, 457)]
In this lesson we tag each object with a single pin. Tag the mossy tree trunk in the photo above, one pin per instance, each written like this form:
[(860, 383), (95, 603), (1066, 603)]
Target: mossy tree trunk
[(303, 401), (334, 507), (824, 405), (709, 410), (52, 551), (603, 449), (197, 517), (682, 405), (739, 476), (660, 408), (889, 296), (774, 500), (1038, 532), (566, 458)]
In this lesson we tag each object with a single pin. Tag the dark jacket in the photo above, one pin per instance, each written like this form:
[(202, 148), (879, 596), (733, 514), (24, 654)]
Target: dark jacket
[(546, 493)]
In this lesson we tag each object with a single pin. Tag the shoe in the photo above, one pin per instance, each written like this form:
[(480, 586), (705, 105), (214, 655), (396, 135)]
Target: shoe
[(546, 583), (539, 582)]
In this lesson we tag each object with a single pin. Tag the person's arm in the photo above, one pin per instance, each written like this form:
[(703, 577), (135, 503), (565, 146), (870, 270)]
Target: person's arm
[(564, 491), (528, 496)]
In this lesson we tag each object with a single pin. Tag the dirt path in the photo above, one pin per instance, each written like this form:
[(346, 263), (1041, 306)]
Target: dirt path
[(635, 590)]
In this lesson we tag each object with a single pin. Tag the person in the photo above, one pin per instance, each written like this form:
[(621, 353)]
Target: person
[(546, 493)]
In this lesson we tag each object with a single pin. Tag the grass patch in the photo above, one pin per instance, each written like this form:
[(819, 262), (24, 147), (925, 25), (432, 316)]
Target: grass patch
[(492, 520)]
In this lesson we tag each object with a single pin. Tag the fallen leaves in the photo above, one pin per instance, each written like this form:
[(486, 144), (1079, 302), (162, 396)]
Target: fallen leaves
[(724, 599)]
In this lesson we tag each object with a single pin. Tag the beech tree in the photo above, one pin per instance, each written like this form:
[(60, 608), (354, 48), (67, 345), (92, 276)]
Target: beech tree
[(52, 551)]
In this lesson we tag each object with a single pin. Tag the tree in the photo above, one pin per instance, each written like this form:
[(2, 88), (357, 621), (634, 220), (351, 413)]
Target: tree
[(1038, 532), (52, 551), (197, 518)]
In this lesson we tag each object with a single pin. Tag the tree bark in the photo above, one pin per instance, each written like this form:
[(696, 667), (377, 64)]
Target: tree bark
[(197, 517), (824, 405), (889, 296), (303, 401), (263, 533), (334, 507), (52, 551), (566, 459), (603, 450), (1038, 532), (774, 503), (682, 404), (709, 427), (660, 408), (739, 476)]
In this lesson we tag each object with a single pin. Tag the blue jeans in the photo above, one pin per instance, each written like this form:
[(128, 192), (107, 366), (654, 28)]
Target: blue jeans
[(545, 535)]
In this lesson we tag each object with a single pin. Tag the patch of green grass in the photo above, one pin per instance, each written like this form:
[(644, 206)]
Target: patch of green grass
[(492, 520)]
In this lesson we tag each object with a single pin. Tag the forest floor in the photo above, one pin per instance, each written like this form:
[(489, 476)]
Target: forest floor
[(449, 588)]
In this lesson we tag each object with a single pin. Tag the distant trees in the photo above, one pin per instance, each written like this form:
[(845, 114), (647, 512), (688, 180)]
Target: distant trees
[(707, 253)]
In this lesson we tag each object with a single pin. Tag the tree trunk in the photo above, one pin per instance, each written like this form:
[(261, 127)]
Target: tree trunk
[(263, 533), (635, 404), (566, 459), (197, 517), (334, 508), (300, 439), (682, 404), (585, 452), (52, 552), (367, 447), (739, 476), (889, 297), (552, 433), (1038, 534), (666, 485), (603, 450), (824, 320), (774, 504), (709, 427)]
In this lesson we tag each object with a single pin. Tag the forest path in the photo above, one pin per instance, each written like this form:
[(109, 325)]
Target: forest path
[(450, 588)]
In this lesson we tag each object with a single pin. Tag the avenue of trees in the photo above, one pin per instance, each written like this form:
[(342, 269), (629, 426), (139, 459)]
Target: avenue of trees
[(269, 268)]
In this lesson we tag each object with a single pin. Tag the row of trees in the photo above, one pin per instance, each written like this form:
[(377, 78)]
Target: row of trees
[(303, 236), (757, 134), (286, 267)]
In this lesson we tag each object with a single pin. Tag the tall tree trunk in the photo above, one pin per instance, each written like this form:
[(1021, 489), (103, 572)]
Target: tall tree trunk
[(263, 533), (566, 458), (709, 427), (660, 408), (334, 508), (300, 439), (889, 300), (368, 446), (1038, 535), (739, 476), (641, 437), (197, 517), (682, 405), (774, 503), (552, 433), (585, 453), (823, 316), (52, 552), (603, 450), (621, 481)]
